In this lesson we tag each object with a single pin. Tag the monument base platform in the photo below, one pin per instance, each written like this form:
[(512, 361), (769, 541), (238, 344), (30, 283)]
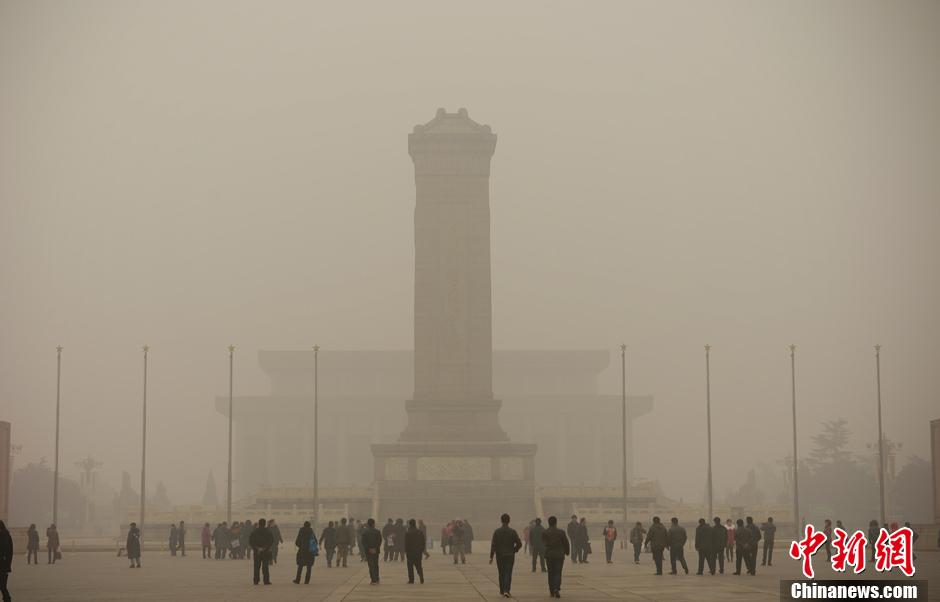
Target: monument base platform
[(441, 481)]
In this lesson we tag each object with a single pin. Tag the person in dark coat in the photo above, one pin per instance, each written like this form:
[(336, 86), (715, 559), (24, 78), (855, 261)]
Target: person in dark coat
[(719, 541), (343, 542), (536, 545), (468, 537), (505, 545), (305, 556), (585, 537), (133, 545), (742, 547), (388, 538), (636, 538), (221, 538), (769, 530), (704, 541), (6, 560), (457, 542), (656, 539), (328, 543), (174, 540), (557, 547), (32, 545), (372, 545), (244, 537), (574, 538), (676, 539), (399, 551), (52, 543), (261, 542), (181, 538), (416, 548), (755, 537)]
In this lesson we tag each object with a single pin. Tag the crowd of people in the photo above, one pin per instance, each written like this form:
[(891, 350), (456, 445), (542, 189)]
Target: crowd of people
[(739, 543)]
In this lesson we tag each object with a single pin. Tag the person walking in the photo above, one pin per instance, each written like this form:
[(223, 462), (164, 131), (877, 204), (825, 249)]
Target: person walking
[(719, 542), (536, 545), (636, 538), (457, 536), (769, 530), (6, 560), (445, 537), (173, 540), (610, 536), (676, 539), (557, 546), (656, 539), (372, 545), (132, 545), (32, 545), (416, 548), (585, 537), (704, 540), (574, 538), (278, 539), (220, 538), (342, 542), (244, 537), (52, 544), (399, 552), (307, 549), (827, 531), (261, 541), (206, 539), (468, 536), (755, 537), (503, 547), (742, 547), (359, 529), (328, 543)]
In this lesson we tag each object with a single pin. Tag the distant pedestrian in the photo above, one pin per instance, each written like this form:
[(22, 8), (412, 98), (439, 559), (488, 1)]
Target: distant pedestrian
[(206, 540), (574, 538), (278, 539), (328, 543), (399, 552), (557, 547), (372, 544), (504, 546), (416, 548), (261, 542), (636, 538), (32, 545), (827, 531), (729, 547), (173, 539), (342, 541), (132, 545), (6, 560), (677, 537), (657, 538), (468, 536), (755, 537), (221, 539), (181, 537), (719, 543), (742, 545), (610, 536), (457, 536), (536, 545), (388, 538), (585, 537), (244, 537), (704, 541), (52, 543), (307, 549), (769, 530), (874, 531), (445, 537)]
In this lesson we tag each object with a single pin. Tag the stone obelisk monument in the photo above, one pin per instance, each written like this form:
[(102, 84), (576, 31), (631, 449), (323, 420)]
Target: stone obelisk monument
[(453, 459)]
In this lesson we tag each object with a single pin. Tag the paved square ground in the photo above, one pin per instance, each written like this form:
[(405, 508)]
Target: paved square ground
[(102, 576)]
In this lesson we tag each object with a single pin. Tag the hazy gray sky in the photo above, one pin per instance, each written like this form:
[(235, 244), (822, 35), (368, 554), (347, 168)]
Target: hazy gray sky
[(194, 174)]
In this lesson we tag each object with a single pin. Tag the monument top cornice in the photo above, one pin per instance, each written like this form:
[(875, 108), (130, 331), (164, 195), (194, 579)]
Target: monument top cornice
[(452, 123)]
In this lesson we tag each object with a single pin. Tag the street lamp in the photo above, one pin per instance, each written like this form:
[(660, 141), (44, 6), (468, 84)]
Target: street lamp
[(708, 415), (881, 439), (796, 463), (55, 478), (623, 425), (316, 436), (231, 370), (143, 448)]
